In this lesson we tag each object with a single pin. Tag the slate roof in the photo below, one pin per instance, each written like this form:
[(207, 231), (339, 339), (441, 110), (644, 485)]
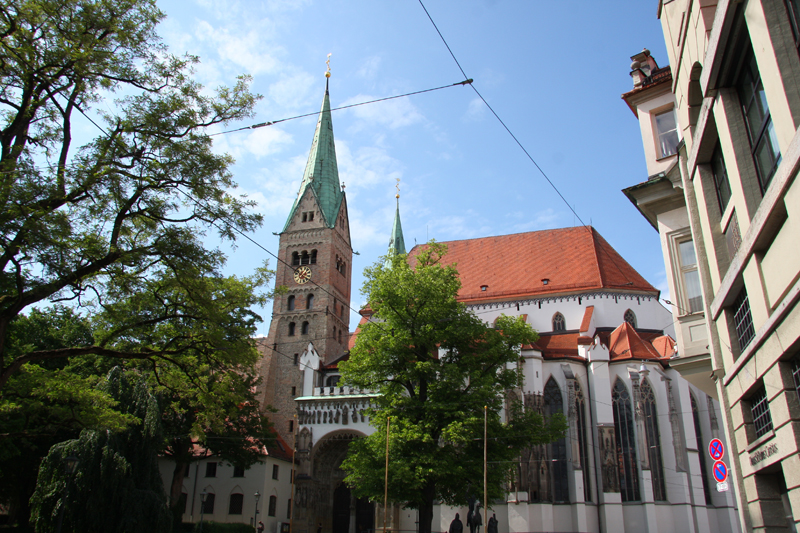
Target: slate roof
[(515, 266)]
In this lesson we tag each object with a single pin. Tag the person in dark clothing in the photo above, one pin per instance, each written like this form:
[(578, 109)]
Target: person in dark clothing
[(260, 528), (456, 526), (491, 527)]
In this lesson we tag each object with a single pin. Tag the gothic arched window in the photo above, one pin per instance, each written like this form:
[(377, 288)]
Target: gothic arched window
[(290, 303), (313, 257), (295, 259), (559, 324), (626, 442), (559, 479), (698, 433), (309, 301), (630, 318), (291, 329), (304, 331), (580, 411), (653, 440)]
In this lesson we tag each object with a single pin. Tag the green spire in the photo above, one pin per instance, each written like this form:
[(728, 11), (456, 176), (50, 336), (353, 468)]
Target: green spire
[(322, 172), (397, 245)]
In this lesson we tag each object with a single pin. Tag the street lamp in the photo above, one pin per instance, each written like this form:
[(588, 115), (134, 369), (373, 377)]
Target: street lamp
[(203, 496), (255, 515), (70, 467)]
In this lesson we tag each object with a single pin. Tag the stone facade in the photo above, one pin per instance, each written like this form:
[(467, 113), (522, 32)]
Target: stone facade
[(731, 191)]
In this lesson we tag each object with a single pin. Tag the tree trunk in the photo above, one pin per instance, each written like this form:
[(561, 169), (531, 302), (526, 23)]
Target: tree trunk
[(426, 508), (178, 475)]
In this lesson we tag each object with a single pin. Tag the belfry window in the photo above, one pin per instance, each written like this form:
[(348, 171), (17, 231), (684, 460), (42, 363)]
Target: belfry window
[(305, 259), (559, 324), (559, 476), (313, 257), (653, 439), (295, 259), (626, 442)]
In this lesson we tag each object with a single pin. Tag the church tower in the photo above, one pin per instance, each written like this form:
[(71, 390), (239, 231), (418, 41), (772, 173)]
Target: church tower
[(315, 266)]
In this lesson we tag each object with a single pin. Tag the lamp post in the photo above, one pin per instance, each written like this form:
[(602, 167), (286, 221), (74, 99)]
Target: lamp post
[(203, 496), (70, 467), (255, 515)]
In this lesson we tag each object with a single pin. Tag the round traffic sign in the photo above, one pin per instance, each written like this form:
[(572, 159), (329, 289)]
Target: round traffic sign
[(716, 450), (720, 471)]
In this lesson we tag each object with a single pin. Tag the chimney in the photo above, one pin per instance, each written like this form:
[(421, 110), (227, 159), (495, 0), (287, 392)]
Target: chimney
[(642, 67)]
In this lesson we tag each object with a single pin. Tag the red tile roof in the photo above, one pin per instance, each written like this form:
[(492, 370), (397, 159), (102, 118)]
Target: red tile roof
[(664, 345), (514, 266), (587, 318), (625, 343)]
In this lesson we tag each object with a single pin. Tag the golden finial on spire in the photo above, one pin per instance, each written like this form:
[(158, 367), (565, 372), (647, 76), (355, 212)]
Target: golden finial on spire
[(328, 62), (398, 188)]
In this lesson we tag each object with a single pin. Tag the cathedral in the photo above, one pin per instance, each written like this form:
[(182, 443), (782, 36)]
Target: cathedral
[(634, 457)]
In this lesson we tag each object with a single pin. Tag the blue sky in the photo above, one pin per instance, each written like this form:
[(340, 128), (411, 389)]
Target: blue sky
[(553, 71)]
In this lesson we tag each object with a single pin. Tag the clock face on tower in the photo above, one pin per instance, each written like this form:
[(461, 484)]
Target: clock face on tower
[(302, 275)]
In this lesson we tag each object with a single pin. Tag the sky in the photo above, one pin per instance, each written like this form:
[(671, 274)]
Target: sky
[(552, 71)]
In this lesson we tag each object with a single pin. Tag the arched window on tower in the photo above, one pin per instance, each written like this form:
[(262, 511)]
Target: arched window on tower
[(698, 434), (309, 301), (291, 329), (295, 259), (304, 258), (630, 318), (559, 324), (559, 478), (626, 442), (313, 257), (583, 448), (653, 440), (340, 336), (334, 332), (304, 331), (290, 303)]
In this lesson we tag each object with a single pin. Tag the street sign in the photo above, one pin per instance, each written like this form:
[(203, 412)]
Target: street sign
[(716, 450), (722, 487), (720, 471)]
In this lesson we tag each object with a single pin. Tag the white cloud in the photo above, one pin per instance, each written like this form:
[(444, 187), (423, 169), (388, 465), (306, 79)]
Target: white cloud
[(544, 219), (258, 143), (393, 114), (369, 68), (292, 91), (275, 188), (366, 167), (453, 227), (245, 49), (475, 110)]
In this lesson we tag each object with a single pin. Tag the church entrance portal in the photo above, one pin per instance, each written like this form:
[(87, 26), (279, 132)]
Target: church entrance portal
[(343, 511)]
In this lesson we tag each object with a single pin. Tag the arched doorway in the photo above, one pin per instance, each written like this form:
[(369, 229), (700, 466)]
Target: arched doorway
[(343, 511)]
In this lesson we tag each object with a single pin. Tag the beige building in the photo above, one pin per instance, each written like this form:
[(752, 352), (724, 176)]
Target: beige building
[(720, 137)]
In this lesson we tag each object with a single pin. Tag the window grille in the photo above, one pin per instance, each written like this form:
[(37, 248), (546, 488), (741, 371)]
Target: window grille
[(580, 410), (554, 403), (630, 318), (559, 324), (759, 405), (653, 439), (236, 504), (208, 507), (626, 442), (796, 373), (743, 320), (721, 182), (698, 433), (758, 122)]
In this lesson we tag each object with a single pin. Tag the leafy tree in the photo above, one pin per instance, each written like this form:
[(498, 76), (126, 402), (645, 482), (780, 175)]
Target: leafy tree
[(117, 220), (117, 486), (436, 368)]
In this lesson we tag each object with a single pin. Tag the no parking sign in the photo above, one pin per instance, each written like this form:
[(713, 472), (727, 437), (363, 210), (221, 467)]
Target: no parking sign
[(716, 450), (720, 471)]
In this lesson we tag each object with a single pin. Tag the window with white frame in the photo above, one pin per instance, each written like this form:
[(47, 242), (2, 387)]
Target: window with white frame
[(689, 297), (667, 133)]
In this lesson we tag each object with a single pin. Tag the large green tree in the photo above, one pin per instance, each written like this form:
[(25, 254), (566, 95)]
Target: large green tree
[(437, 370), (123, 214), (117, 485)]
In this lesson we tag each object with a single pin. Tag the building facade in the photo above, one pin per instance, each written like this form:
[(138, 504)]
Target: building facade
[(726, 184)]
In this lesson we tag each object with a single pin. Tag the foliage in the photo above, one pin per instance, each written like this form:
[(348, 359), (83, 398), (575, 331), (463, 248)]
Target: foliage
[(115, 225), (117, 485), (436, 368)]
